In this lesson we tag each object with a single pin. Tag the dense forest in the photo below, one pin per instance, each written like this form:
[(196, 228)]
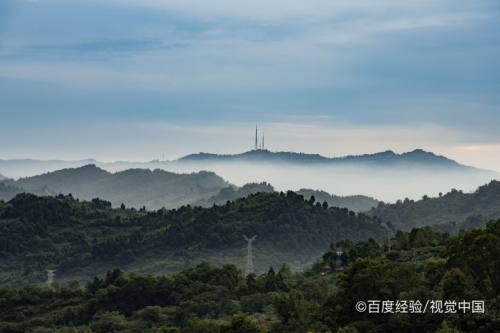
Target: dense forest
[(232, 193), (84, 238), (449, 212), (419, 265), (356, 203)]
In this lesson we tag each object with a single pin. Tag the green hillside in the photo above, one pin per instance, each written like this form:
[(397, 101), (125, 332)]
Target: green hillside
[(449, 212), (232, 193), (81, 239), (356, 203), (421, 266)]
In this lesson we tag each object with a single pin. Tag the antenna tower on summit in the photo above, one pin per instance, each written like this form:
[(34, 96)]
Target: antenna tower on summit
[(259, 145), (256, 140), (262, 143)]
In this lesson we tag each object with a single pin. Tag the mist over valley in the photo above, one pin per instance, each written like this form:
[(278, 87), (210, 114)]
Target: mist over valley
[(386, 176)]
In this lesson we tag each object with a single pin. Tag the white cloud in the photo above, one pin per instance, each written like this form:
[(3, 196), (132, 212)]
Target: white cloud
[(257, 9), (284, 9), (236, 51)]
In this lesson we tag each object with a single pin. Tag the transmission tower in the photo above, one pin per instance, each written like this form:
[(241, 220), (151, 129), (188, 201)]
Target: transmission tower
[(50, 277), (249, 268)]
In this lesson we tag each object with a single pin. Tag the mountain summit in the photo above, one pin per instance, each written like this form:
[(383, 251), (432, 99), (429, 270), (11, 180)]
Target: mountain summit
[(133, 187), (418, 157)]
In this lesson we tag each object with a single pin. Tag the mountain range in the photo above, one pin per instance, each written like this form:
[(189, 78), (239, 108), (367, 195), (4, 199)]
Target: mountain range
[(387, 176), (155, 189), (16, 168), (418, 157), (134, 187)]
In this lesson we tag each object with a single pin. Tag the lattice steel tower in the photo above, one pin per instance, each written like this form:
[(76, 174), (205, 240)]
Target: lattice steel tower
[(249, 268), (50, 277)]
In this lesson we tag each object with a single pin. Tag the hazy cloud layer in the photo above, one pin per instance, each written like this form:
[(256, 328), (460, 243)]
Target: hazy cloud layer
[(99, 79)]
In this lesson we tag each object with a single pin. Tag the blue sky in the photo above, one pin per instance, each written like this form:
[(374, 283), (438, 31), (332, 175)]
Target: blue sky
[(125, 79)]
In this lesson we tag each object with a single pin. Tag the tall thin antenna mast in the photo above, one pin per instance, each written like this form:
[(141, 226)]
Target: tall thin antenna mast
[(249, 268), (263, 147), (256, 142)]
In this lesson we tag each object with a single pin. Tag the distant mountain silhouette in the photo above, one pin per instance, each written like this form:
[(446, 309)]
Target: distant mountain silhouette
[(133, 187), (156, 189), (416, 157), (256, 156), (16, 168), (387, 176)]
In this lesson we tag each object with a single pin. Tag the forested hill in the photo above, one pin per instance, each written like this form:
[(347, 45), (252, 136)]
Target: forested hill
[(232, 193), (449, 212), (7, 190), (420, 267), (37, 233), (357, 203), (133, 187)]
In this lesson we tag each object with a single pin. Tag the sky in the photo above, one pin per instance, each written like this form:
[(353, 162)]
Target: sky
[(147, 79)]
